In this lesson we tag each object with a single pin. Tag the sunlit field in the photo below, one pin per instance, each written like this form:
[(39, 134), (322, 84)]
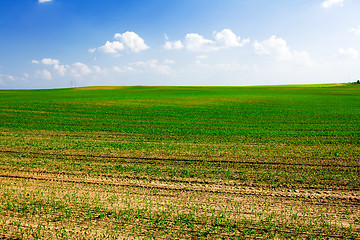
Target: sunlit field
[(180, 162)]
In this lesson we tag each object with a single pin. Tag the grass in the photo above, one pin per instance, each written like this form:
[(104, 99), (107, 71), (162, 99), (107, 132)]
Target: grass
[(181, 162)]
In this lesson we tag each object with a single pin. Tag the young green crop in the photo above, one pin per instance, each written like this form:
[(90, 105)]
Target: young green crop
[(181, 162)]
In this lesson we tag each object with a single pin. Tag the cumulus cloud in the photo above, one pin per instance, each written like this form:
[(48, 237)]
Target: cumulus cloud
[(355, 30), (7, 77), (97, 69), (11, 77), (234, 66), (124, 69), (76, 70), (196, 42), (170, 45), (349, 53), (279, 48), (128, 40), (49, 61), (132, 41), (111, 47), (173, 45), (228, 39), (45, 74), (274, 45), (79, 69), (44, 1), (61, 69), (330, 3), (153, 66)]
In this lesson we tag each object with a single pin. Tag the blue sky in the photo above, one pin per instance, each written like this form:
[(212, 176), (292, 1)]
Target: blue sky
[(57, 43)]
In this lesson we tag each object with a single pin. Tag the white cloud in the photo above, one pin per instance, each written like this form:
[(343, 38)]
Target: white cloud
[(226, 38), (169, 45), (61, 69), (153, 66), (196, 42), (279, 48), (24, 77), (124, 69), (234, 66), (45, 74), (76, 70), (49, 61), (330, 3), (132, 41), (44, 1), (173, 45), (91, 50), (112, 47), (350, 53), (98, 69), (273, 45), (355, 30), (127, 40), (79, 69), (11, 77)]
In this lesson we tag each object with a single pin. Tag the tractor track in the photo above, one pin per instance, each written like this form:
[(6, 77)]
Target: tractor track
[(218, 234), (153, 160), (172, 180), (353, 200)]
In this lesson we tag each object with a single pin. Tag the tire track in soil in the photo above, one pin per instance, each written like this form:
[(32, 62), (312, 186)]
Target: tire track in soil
[(8, 237), (350, 200), (188, 181), (289, 231), (93, 157), (219, 234), (240, 229)]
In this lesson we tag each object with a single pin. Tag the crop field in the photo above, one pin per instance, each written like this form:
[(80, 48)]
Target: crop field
[(265, 162)]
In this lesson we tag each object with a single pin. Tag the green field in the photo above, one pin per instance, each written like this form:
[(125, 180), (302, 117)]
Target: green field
[(180, 162)]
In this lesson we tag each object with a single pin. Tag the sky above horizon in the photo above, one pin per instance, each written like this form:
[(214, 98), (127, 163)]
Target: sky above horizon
[(63, 43)]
